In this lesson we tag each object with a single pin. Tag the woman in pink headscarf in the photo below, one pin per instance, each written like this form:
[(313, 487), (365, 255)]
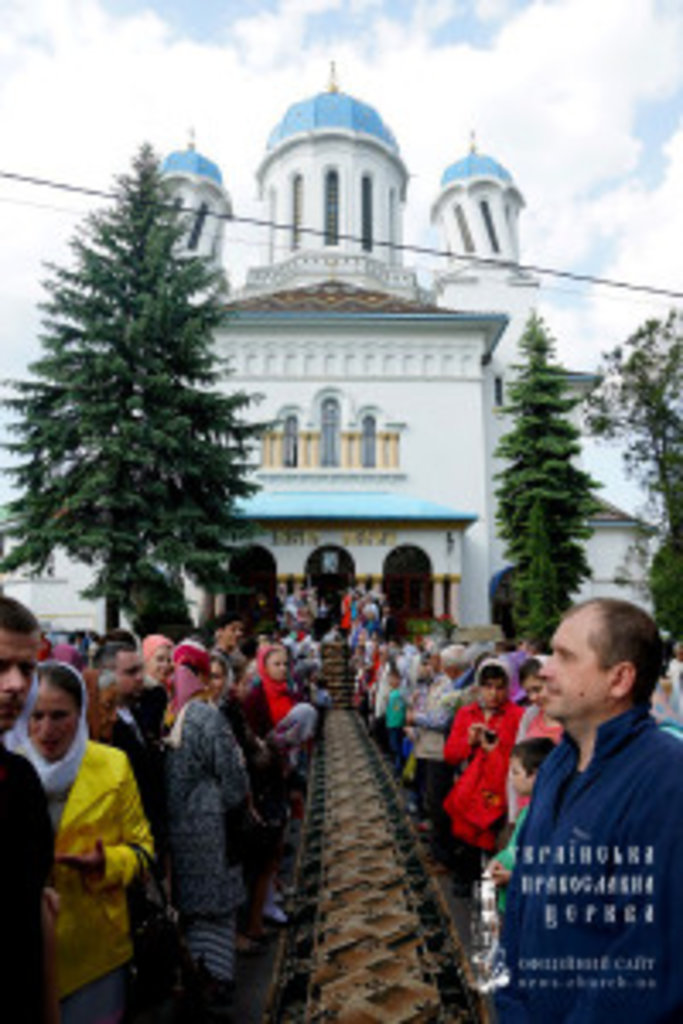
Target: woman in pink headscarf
[(205, 780), (157, 654)]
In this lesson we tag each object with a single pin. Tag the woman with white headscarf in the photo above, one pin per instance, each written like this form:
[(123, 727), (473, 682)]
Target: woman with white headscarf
[(98, 820)]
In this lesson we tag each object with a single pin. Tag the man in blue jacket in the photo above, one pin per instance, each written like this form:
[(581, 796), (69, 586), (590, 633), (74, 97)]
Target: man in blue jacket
[(594, 922)]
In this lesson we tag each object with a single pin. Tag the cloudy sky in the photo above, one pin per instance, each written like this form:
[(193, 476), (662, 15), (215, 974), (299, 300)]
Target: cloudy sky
[(581, 100)]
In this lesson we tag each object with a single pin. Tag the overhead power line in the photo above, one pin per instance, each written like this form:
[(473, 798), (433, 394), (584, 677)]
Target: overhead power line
[(421, 250)]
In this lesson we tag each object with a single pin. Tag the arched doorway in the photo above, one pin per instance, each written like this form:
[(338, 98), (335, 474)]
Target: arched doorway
[(331, 569), (501, 593), (255, 571), (408, 583)]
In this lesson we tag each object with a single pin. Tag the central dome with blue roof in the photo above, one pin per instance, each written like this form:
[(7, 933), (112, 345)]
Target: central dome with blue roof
[(475, 165), (332, 109), (188, 161)]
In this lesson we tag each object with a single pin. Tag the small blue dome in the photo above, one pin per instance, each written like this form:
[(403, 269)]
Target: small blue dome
[(475, 165), (332, 110), (191, 162)]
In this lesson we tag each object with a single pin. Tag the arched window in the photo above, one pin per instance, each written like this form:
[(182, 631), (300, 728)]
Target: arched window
[(332, 208), (366, 212), (197, 227), (291, 442), (488, 223), (369, 446), (297, 209), (393, 234), (465, 233), (407, 582), (272, 214), (331, 420)]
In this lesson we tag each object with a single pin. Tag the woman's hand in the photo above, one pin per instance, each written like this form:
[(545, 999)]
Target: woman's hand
[(90, 864)]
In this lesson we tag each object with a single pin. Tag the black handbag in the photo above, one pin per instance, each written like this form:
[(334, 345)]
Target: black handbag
[(158, 959)]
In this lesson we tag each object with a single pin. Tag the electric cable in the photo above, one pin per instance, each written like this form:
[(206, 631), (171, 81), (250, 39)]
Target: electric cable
[(421, 250)]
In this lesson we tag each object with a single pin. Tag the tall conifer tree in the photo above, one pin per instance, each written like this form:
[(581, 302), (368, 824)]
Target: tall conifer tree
[(544, 499), (131, 454)]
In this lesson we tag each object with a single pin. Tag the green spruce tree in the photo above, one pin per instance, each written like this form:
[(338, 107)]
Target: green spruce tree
[(131, 454), (544, 499)]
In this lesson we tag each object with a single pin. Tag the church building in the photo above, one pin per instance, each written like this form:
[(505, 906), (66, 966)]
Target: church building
[(384, 395)]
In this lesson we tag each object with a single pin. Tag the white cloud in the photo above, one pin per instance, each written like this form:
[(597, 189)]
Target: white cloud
[(492, 10), (555, 96)]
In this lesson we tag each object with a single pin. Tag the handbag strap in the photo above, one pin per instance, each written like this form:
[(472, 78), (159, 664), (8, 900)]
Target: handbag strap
[(150, 869)]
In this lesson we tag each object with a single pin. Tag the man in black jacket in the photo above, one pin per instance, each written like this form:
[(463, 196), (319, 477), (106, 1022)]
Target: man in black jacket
[(26, 843), (134, 734)]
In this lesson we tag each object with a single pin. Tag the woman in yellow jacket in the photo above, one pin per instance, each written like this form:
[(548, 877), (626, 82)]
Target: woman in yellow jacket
[(98, 818)]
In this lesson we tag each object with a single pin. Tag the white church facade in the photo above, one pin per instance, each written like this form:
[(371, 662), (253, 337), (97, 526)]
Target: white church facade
[(384, 396)]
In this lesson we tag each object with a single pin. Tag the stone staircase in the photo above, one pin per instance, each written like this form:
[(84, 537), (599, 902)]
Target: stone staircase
[(336, 672)]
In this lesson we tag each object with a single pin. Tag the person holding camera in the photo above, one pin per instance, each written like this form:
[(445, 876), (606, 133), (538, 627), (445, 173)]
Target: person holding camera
[(479, 746)]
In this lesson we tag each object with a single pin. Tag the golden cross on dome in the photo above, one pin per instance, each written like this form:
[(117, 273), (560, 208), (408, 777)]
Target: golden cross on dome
[(333, 84), (191, 137), (473, 141)]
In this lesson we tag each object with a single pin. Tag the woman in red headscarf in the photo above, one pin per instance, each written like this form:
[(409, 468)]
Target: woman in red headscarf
[(269, 700)]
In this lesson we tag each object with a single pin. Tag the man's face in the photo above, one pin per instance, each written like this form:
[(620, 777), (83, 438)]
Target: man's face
[(18, 658), (229, 636), (130, 676), (578, 690), (107, 703)]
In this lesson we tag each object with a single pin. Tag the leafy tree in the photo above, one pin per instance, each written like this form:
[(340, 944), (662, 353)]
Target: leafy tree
[(666, 573), (639, 402), (544, 499), (131, 456)]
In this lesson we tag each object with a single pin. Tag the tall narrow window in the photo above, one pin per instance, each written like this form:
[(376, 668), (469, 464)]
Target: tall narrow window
[(272, 214), (393, 233), (488, 223), (369, 447), (297, 209), (465, 233), (291, 445), (332, 208), (329, 455), (197, 227), (366, 212), (498, 397)]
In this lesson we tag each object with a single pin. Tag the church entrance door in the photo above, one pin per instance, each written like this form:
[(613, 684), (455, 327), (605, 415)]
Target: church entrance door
[(407, 584), (255, 572), (331, 570)]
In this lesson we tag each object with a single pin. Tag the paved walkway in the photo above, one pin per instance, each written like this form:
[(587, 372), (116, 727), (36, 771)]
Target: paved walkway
[(372, 936)]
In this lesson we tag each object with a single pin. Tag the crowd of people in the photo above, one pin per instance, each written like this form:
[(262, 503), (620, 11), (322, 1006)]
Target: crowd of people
[(187, 759), (553, 775), (192, 756)]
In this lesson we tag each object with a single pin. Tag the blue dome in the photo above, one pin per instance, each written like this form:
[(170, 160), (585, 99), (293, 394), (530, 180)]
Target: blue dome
[(332, 110), (191, 162), (475, 165)]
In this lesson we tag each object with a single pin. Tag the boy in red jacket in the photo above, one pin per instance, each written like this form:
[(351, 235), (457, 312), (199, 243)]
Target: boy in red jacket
[(480, 742)]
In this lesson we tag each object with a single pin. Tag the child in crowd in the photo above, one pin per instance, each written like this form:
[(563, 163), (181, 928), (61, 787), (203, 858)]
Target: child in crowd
[(534, 724), (525, 760), (395, 718), (479, 745)]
